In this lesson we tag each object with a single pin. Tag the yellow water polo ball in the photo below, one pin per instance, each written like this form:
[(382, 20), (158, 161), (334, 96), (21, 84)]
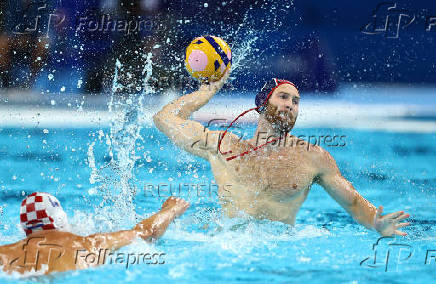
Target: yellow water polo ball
[(208, 58)]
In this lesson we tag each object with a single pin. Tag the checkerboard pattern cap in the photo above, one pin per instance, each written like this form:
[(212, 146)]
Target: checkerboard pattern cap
[(266, 91), (41, 211)]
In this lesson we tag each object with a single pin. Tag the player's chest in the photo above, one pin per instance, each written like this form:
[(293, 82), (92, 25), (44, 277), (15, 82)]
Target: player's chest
[(273, 173)]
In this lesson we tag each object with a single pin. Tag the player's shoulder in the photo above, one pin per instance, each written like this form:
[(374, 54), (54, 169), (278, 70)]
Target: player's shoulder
[(222, 140), (321, 157), (296, 142), (57, 236)]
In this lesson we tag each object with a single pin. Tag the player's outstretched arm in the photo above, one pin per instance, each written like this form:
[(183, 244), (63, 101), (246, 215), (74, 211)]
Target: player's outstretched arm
[(358, 207), (155, 226), (149, 229)]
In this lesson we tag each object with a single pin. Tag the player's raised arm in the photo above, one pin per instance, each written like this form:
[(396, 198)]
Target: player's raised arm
[(190, 135), (358, 207)]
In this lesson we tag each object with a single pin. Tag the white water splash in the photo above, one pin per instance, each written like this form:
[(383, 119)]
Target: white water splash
[(115, 180)]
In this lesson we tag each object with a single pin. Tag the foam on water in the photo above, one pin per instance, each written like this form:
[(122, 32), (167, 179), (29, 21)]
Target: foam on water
[(115, 180)]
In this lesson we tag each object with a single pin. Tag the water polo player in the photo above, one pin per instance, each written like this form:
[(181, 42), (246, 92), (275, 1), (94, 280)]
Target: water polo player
[(50, 247), (270, 180)]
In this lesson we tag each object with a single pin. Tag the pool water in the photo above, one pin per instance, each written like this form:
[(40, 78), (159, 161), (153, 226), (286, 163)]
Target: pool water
[(396, 170)]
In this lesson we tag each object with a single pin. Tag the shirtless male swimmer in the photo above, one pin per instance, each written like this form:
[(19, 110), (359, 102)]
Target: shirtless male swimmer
[(49, 247), (268, 181)]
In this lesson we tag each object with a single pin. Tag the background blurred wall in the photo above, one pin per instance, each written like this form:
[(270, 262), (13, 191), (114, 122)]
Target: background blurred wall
[(316, 44)]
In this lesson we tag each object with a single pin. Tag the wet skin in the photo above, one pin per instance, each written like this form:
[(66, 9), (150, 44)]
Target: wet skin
[(271, 182), (50, 251)]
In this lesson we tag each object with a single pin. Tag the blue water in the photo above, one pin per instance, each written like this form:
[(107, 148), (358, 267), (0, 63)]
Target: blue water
[(396, 170)]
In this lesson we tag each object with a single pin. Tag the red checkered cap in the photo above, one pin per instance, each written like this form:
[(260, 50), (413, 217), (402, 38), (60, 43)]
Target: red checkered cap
[(42, 211)]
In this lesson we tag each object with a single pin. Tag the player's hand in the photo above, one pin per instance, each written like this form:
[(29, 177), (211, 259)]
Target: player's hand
[(177, 205), (388, 225), (215, 86)]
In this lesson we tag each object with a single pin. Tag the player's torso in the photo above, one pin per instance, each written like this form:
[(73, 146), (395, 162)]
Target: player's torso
[(265, 183)]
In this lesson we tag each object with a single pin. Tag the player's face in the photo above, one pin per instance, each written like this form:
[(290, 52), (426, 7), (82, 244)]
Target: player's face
[(282, 108)]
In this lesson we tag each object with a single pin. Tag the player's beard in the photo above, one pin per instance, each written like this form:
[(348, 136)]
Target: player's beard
[(283, 121)]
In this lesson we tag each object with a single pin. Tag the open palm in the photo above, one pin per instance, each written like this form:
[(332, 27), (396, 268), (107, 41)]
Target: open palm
[(388, 225)]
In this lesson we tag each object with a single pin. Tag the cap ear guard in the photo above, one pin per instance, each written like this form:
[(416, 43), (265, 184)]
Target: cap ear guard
[(266, 91), (261, 101), (262, 96)]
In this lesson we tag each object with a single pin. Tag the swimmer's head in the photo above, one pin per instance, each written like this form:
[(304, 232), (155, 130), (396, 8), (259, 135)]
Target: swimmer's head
[(278, 101), (41, 211)]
